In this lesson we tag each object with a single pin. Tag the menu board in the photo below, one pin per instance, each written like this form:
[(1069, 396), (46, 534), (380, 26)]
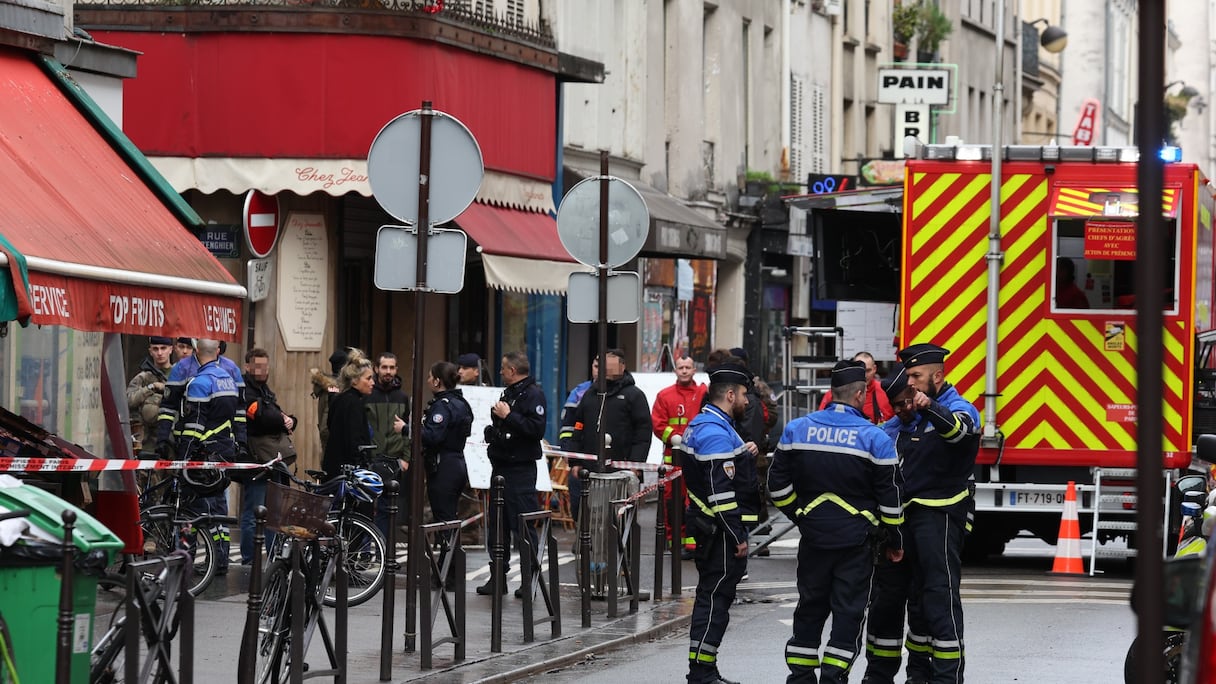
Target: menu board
[(303, 273)]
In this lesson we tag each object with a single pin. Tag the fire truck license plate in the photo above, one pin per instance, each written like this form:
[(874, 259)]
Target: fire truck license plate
[(1017, 498)]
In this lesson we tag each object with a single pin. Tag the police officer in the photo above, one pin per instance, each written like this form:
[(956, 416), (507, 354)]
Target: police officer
[(513, 445), (893, 581), (837, 476), (939, 486), (714, 516), (446, 424)]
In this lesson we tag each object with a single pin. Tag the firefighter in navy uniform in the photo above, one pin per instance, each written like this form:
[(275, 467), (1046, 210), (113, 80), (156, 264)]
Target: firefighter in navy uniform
[(939, 489), (714, 516), (836, 475), (893, 581)]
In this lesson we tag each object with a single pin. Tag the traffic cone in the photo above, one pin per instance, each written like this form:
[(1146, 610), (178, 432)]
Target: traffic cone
[(1068, 542)]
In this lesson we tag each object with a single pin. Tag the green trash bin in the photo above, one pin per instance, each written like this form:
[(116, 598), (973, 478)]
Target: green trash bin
[(30, 581)]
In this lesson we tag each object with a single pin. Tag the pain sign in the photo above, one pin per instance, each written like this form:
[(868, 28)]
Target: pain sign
[(913, 86)]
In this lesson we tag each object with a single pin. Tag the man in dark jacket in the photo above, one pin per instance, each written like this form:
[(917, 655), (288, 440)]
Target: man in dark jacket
[(622, 412), (385, 405), (264, 420), (513, 445), (145, 392)]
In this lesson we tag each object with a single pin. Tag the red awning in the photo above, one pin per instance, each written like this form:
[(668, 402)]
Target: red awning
[(104, 253), (1107, 201), (511, 232)]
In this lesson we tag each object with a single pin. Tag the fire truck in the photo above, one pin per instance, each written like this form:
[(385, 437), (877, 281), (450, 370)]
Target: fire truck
[(1064, 395)]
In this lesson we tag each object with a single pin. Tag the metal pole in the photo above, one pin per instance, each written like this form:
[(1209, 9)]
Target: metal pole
[(417, 490), (390, 587), (63, 649), (584, 544), (994, 256), (1150, 283), (660, 532), (341, 623), (498, 570), (247, 661), (601, 381)]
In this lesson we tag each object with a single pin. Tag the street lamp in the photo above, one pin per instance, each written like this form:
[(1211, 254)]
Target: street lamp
[(1053, 39), (1187, 91)]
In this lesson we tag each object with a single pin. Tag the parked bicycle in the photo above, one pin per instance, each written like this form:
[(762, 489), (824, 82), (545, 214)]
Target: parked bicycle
[(158, 621)]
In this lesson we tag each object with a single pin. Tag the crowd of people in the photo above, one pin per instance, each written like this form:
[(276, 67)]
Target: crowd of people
[(878, 480)]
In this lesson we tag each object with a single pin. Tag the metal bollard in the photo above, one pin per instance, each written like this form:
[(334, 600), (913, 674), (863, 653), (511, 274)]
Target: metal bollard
[(660, 533), (247, 661), (498, 570), (584, 547), (390, 584), (340, 621), (185, 630), (67, 613), (295, 670), (677, 514)]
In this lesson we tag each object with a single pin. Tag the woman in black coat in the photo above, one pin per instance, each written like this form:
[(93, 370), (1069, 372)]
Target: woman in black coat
[(348, 426), (446, 424)]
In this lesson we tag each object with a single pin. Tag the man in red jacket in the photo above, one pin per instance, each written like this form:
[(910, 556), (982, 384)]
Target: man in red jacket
[(673, 408), (876, 406)]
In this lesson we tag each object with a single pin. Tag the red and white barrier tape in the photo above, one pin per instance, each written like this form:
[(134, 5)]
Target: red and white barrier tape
[(10, 464), (675, 475), (626, 465)]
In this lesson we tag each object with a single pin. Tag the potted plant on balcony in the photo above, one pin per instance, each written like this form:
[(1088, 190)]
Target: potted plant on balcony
[(932, 27), (904, 18)]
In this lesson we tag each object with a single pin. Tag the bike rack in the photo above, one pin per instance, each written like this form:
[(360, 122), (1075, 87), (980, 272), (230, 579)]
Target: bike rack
[(532, 559), (158, 623), (443, 537), (625, 555)]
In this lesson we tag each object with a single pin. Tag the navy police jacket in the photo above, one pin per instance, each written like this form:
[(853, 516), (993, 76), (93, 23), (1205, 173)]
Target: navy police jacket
[(710, 470), (446, 424), (942, 443), (208, 424), (167, 420), (515, 440), (837, 476)]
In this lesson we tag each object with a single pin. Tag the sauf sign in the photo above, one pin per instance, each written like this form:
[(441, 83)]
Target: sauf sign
[(913, 86)]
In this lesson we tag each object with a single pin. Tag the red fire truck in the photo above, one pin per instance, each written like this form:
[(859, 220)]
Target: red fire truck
[(1065, 350)]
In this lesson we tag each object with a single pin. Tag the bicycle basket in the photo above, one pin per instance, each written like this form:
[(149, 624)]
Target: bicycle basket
[(295, 512)]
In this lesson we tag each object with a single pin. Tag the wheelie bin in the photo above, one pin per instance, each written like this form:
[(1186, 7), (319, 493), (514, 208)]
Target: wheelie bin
[(31, 577)]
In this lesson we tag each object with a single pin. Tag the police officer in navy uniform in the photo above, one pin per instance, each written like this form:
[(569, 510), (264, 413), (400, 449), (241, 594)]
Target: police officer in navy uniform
[(446, 424), (513, 439), (893, 581), (939, 484), (836, 475), (712, 445)]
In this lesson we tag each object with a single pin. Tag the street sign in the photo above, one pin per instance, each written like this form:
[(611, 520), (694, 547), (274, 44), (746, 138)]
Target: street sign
[(624, 297), (220, 240), (913, 86), (578, 222), (397, 259), (261, 222), (456, 167), (1083, 134), (259, 273)]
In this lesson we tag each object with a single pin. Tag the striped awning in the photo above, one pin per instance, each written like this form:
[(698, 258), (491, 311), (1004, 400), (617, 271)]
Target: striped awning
[(1107, 201)]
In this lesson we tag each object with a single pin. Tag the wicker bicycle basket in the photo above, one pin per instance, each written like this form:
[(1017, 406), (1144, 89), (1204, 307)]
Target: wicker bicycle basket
[(295, 512)]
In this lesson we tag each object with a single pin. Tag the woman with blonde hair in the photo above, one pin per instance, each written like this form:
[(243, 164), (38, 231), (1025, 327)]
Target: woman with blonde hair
[(348, 426)]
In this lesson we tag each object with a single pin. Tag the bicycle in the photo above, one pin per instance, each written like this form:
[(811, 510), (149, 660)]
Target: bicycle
[(366, 557), (169, 525), (158, 621)]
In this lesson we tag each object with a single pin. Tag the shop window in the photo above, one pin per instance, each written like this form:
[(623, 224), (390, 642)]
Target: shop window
[(1095, 261)]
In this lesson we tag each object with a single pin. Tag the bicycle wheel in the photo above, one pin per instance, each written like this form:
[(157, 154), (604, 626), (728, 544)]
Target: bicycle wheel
[(274, 623), (365, 560), (164, 533), (107, 662)]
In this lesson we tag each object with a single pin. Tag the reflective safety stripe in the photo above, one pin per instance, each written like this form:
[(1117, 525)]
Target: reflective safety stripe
[(666, 435), (879, 652), (842, 664), (781, 503), (947, 655), (678, 420), (801, 655), (564, 434), (701, 505), (828, 496), (750, 517), (702, 657), (804, 662), (940, 503), (204, 436)]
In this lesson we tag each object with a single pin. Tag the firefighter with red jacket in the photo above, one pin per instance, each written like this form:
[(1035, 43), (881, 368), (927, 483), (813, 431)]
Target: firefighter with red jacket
[(836, 475), (673, 408)]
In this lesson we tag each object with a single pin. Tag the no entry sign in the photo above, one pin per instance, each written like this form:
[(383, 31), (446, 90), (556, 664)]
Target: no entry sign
[(261, 219)]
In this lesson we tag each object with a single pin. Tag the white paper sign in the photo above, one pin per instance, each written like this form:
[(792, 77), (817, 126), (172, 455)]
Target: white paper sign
[(303, 281)]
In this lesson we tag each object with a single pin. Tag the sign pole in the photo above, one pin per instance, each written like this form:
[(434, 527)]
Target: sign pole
[(601, 381), (417, 486)]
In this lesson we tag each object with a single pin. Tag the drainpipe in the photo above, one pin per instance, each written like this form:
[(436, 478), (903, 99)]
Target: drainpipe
[(785, 87)]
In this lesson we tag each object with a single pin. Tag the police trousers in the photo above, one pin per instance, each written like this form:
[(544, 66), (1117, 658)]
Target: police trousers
[(719, 572), (444, 485), (520, 497), (885, 623), (937, 543), (835, 582)]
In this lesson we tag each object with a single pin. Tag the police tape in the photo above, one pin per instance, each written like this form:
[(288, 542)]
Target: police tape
[(626, 465), (10, 464), (675, 475)]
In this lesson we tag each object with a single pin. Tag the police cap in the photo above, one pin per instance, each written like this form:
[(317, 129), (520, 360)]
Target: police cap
[(922, 354), (847, 373), (469, 360), (186, 340), (156, 339), (730, 373), (895, 383)]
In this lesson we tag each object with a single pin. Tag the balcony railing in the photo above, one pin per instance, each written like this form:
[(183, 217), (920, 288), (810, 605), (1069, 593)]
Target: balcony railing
[(465, 13)]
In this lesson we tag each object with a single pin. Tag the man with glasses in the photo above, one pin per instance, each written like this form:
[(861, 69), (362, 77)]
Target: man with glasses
[(877, 408)]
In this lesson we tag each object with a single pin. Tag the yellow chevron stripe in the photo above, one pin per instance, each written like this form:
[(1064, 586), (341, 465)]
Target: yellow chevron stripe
[(960, 196), (963, 261)]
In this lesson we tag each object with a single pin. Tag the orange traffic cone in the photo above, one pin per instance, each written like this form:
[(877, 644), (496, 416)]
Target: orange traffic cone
[(1068, 543)]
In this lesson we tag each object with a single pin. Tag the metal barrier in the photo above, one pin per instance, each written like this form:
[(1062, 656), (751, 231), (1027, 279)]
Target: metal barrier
[(444, 537), (335, 644), (532, 558), (498, 565), (624, 554), (388, 591), (157, 612)]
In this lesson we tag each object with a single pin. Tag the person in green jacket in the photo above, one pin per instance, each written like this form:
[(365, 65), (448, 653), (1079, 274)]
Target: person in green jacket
[(388, 412)]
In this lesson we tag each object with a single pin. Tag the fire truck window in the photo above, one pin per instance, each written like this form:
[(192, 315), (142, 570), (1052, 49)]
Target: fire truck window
[(1083, 279)]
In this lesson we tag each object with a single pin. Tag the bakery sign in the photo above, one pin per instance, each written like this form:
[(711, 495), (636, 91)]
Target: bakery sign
[(904, 85)]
